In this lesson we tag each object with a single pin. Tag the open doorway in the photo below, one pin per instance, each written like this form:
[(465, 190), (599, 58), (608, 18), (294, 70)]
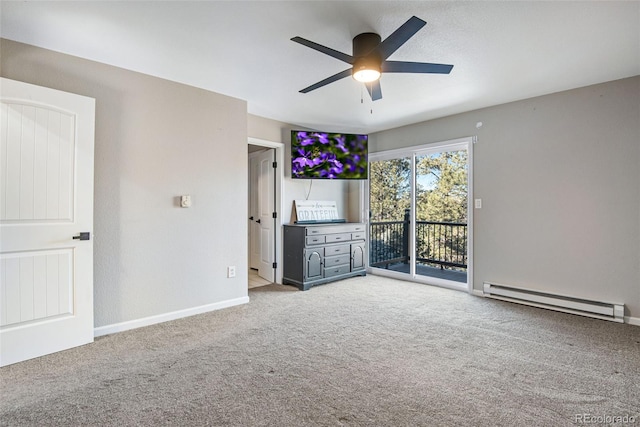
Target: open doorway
[(264, 223)]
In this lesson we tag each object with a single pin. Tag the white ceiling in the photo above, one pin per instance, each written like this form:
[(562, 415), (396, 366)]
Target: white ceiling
[(501, 51)]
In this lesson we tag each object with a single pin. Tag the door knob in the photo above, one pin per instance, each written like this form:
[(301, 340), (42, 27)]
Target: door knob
[(258, 221), (83, 236), (251, 218)]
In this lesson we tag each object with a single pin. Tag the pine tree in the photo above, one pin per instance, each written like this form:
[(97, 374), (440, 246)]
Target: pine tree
[(390, 191), (445, 197)]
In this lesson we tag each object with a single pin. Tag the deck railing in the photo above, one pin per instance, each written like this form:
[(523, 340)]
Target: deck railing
[(437, 243)]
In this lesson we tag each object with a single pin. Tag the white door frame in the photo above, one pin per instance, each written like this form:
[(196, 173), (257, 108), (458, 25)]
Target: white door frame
[(279, 175), (467, 142)]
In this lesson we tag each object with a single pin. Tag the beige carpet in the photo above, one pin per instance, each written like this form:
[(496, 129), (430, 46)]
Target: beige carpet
[(367, 351)]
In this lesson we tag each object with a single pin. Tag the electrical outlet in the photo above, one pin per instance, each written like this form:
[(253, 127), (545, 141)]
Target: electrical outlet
[(231, 271)]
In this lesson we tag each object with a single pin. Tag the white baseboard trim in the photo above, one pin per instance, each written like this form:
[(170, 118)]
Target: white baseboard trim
[(478, 292), (152, 320), (632, 320)]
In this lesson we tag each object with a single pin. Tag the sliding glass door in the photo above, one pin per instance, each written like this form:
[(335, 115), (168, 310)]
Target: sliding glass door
[(419, 213), (441, 214), (389, 213)]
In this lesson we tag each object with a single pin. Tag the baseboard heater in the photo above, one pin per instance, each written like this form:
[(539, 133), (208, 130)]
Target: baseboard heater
[(596, 309)]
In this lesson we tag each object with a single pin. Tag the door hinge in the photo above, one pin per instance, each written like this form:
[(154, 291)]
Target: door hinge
[(275, 265), (274, 215), (274, 164)]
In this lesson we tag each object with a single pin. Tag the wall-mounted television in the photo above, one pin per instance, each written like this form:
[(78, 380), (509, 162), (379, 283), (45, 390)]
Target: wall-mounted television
[(325, 155)]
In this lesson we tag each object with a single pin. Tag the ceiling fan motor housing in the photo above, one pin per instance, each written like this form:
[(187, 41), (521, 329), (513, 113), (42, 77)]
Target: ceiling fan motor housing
[(363, 52), (364, 46), (365, 43)]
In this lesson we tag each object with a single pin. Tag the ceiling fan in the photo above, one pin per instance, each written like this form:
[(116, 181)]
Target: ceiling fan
[(370, 55)]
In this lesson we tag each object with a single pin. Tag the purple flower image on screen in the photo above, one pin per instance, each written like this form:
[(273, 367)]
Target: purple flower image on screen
[(310, 138), (328, 155)]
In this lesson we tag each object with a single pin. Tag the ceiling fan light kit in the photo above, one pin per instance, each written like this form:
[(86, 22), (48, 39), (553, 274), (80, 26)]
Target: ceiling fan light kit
[(369, 59), (366, 72)]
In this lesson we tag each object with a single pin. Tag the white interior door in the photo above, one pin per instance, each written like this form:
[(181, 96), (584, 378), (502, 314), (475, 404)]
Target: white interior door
[(46, 198), (266, 208)]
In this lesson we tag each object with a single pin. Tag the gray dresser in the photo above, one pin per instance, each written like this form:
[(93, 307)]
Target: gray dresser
[(321, 253)]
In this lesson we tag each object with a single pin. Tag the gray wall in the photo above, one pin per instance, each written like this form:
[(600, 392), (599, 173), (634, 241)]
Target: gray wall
[(155, 140), (559, 178)]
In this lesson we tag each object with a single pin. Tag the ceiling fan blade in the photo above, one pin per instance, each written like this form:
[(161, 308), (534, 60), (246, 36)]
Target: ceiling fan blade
[(335, 77), (414, 67), (399, 37), (326, 50), (374, 90)]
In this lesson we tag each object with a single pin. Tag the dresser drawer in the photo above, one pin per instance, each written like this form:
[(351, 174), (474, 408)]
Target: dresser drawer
[(331, 261), (336, 271), (337, 250), (342, 237), (314, 240), (357, 236), (332, 229)]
